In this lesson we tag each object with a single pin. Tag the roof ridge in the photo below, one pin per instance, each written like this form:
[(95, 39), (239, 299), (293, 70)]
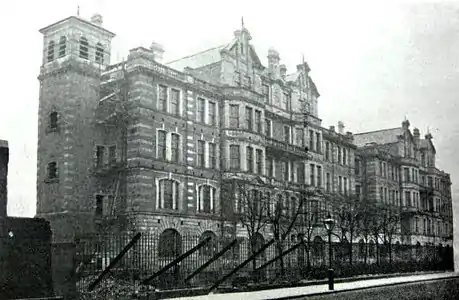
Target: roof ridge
[(379, 130), (197, 53)]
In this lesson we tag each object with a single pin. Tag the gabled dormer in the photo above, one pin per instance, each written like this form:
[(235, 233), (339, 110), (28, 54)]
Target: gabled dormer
[(77, 38)]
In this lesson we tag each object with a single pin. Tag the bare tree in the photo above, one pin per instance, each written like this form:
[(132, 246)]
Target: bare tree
[(286, 214), (390, 220), (348, 211), (252, 213), (365, 225)]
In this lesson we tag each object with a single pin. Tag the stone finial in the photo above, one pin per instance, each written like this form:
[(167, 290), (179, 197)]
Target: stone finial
[(406, 124), (416, 133), (332, 128), (97, 19), (273, 54), (158, 51), (428, 136)]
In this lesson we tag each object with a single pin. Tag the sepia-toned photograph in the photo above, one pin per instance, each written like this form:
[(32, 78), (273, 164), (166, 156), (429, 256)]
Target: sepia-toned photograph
[(229, 149)]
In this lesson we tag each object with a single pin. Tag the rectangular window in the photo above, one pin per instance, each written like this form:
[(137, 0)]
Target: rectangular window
[(201, 154), (285, 101), (100, 156), (357, 192), (112, 154), (327, 182), (161, 151), (258, 126), (327, 151), (312, 175), (407, 199), (249, 159), (406, 172), (345, 185), (318, 142), (311, 140), (249, 118), (52, 170), (175, 102), (268, 127), (287, 134), (212, 114), (175, 147), (99, 206), (339, 155), (266, 93), (340, 184), (269, 167), (285, 173), (162, 98), (299, 136), (357, 167), (212, 156), (300, 173), (201, 110), (259, 159), (344, 156), (319, 176), (234, 116), (235, 161)]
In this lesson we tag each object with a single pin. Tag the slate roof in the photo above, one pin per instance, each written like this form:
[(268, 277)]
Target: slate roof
[(384, 136), (199, 59)]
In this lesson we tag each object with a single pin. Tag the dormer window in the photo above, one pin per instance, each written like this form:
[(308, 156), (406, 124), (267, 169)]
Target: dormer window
[(84, 48), (50, 56), (62, 46), (99, 53)]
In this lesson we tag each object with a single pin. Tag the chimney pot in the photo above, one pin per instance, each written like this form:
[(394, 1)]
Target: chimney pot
[(340, 127), (157, 50)]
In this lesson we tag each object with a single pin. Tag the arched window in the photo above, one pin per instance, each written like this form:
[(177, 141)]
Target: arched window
[(53, 120), (84, 48), (50, 56), (170, 244), (206, 198), (361, 249), (257, 242), (99, 53), (318, 248), (371, 249), (168, 194), (210, 248), (62, 46)]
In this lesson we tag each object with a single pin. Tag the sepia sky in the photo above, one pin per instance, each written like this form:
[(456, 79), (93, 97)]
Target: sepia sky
[(374, 62)]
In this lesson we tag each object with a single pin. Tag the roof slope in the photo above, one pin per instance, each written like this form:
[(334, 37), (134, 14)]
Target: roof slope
[(384, 136), (198, 60)]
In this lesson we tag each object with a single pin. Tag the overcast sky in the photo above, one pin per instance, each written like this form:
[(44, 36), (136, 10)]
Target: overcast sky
[(374, 62)]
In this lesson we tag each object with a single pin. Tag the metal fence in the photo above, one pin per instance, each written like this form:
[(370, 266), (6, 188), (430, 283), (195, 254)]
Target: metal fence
[(308, 261)]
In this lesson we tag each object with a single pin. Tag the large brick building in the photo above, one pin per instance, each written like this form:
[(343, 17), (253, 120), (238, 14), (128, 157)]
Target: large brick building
[(397, 167), (147, 145)]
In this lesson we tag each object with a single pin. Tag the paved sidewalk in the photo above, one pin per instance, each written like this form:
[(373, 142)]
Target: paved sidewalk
[(322, 288)]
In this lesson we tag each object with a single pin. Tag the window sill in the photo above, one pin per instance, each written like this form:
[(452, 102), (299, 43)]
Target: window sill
[(51, 180)]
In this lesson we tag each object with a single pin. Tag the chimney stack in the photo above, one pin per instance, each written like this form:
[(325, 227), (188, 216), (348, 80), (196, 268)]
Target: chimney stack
[(273, 62), (283, 71), (157, 51), (340, 127)]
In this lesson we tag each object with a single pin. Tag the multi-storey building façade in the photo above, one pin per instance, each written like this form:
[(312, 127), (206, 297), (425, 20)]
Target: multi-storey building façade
[(150, 146), (397, 167)]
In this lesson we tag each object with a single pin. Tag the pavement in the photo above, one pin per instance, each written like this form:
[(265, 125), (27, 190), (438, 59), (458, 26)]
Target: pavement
[(321, 288)]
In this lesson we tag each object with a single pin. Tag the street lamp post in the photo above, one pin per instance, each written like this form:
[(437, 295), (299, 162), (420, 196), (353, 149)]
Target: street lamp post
[(329, 223)]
